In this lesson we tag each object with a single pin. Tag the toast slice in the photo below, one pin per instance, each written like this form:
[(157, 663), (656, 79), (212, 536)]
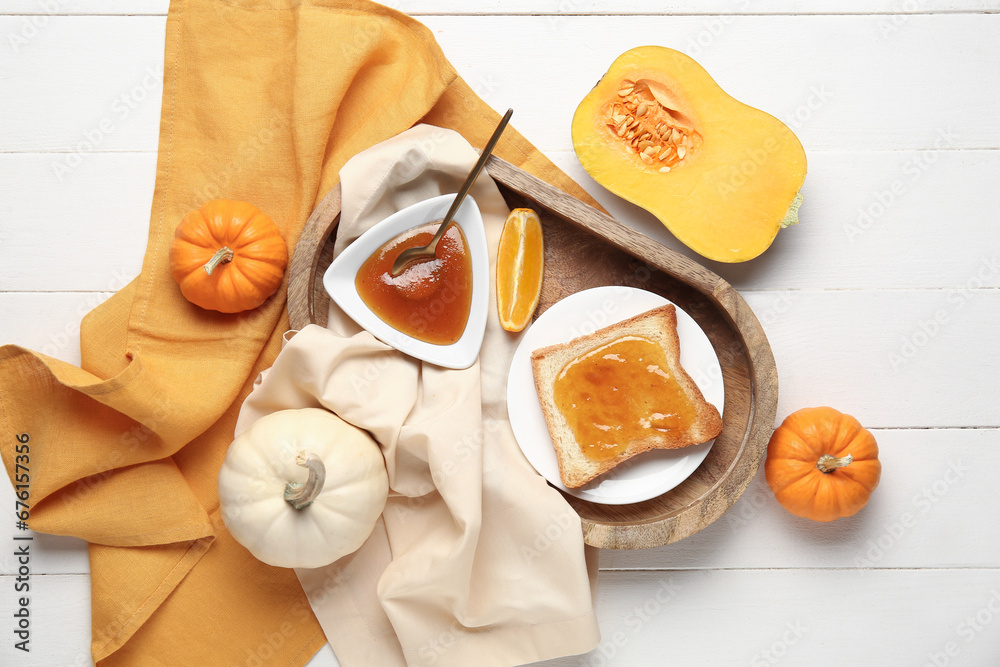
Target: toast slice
[(659, 326)]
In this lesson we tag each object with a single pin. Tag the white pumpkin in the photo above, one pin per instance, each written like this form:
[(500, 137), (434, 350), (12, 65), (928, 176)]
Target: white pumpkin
[(302, 488)]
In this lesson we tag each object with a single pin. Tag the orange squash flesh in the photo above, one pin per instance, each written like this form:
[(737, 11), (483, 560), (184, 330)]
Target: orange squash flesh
[(741, 169)]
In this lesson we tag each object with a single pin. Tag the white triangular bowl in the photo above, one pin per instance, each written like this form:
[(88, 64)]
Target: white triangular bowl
[(339, 281)]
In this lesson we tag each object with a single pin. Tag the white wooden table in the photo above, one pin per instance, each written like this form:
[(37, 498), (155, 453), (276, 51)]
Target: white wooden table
[(883, 302)]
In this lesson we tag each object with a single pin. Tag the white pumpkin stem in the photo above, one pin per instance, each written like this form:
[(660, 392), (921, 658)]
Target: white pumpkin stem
[(300, 495), (223, 255), (827, 463)]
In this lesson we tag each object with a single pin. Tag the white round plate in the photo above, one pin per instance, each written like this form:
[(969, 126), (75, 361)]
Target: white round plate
[(644, 476)]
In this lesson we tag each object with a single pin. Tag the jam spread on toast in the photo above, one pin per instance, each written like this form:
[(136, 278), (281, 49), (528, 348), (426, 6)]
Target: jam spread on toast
[(620, 393)]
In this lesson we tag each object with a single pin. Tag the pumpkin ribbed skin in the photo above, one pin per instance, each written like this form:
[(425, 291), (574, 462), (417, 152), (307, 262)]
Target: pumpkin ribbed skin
[(257, 265), (796, 448)]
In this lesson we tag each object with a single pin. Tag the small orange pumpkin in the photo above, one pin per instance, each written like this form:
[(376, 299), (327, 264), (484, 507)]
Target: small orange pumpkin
[(228, 256), (822, 464)]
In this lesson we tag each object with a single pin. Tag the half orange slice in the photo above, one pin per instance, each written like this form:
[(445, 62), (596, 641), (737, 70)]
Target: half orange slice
[(520, 264)]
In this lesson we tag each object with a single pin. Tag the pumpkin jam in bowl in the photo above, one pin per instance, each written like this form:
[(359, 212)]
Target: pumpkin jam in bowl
[(435, 310), (429, 300)]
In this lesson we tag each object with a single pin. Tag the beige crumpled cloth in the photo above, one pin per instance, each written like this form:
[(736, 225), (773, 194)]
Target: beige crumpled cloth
[(476, 559)]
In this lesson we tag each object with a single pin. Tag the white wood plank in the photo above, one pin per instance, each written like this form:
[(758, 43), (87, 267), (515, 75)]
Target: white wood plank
[(798, 617), (651, 617), (815, 72), (552, 7), (59, 621), (84, 7), (920, 516), (88, 230), (891, 358)]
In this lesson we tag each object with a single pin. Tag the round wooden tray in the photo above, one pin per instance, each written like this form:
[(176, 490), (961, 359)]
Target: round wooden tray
[(585, 248)]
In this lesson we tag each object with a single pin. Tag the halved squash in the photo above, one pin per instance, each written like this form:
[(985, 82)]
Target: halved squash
[(722, 176)]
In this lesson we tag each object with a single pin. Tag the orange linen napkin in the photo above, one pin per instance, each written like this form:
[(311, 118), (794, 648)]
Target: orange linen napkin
[(484, 561), (263, 101)]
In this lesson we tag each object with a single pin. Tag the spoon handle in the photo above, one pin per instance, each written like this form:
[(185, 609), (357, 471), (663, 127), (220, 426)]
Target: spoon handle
[(470, 179)]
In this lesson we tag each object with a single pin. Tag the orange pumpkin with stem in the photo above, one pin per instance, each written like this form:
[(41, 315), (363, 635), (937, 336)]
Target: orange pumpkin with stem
[(822, 464), (228, 256)]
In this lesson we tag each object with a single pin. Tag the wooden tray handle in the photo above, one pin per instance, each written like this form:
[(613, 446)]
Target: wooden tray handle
[(302, 269)]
